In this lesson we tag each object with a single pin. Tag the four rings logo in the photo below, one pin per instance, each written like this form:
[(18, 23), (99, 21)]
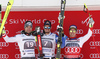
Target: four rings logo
[(81, 55), (4, 56), (96, 31), (72, 50), (96, 43), (94, 55), (79, 31), (7, 32), (17, 56), (4, 44), (17, 47)]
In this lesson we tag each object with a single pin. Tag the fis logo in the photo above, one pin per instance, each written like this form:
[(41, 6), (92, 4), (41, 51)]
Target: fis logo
[(86, 21)]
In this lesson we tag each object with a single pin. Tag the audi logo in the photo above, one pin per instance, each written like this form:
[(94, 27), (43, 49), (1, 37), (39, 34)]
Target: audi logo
[(4, 44), (96, 43), (96, 31), (72, 50), (94, 55), (17, 56), (81, 55), (4, 56), (79, 31), (17, 47), (7, 32)]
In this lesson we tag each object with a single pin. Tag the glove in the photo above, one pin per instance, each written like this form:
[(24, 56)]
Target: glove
[(60, 17), (58, 27), (91, 22), (3, 32)]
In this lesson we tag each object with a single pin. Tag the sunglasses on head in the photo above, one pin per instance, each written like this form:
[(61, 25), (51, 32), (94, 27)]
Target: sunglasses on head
[(47, 27), (72, 31)]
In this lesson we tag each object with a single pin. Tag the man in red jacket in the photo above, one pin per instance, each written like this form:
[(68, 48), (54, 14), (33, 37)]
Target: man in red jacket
[(73, 45)]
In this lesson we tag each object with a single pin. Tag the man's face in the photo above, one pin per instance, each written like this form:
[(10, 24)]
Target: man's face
[(47, 28), (72, 33), (28, 29)]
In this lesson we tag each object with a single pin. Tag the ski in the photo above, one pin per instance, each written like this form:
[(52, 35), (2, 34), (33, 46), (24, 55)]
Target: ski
[(86, 10), (39, 42), (0, 14), (9, 5), (60, 23), (0, 17)]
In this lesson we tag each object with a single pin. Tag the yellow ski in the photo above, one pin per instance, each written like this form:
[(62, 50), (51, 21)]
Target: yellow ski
[(9, 5)]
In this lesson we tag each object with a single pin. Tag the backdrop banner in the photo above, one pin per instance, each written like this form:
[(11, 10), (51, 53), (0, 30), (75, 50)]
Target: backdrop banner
[(16, 20)]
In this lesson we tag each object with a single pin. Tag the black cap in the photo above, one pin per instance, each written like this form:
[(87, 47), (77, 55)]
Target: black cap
[(47, 22), (28, 23), (73, 27)]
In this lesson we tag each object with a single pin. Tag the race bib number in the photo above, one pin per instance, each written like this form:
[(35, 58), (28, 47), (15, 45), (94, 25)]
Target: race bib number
[(29, 45), (47, 44)]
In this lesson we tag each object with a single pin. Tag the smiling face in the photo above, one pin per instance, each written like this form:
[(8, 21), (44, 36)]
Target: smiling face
[(47, 29), (72, 33), (28, 29)]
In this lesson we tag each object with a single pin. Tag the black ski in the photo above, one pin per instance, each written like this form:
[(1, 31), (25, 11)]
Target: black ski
[(0, 18), (61, 18), (39, 41), (0, 14)]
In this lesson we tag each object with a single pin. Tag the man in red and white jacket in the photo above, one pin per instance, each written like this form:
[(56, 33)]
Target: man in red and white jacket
[(73, 44), (25, 40)]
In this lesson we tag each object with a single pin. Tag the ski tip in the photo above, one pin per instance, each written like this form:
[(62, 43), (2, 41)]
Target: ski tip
[(11, 1), (85, 5)]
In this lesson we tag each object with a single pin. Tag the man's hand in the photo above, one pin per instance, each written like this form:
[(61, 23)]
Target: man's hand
[(91, 22), (3, 32), (58, 27)]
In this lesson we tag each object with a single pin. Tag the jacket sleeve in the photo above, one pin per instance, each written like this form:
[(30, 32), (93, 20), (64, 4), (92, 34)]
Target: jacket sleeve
[(11, 39), (86, 37), (63, 40)]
